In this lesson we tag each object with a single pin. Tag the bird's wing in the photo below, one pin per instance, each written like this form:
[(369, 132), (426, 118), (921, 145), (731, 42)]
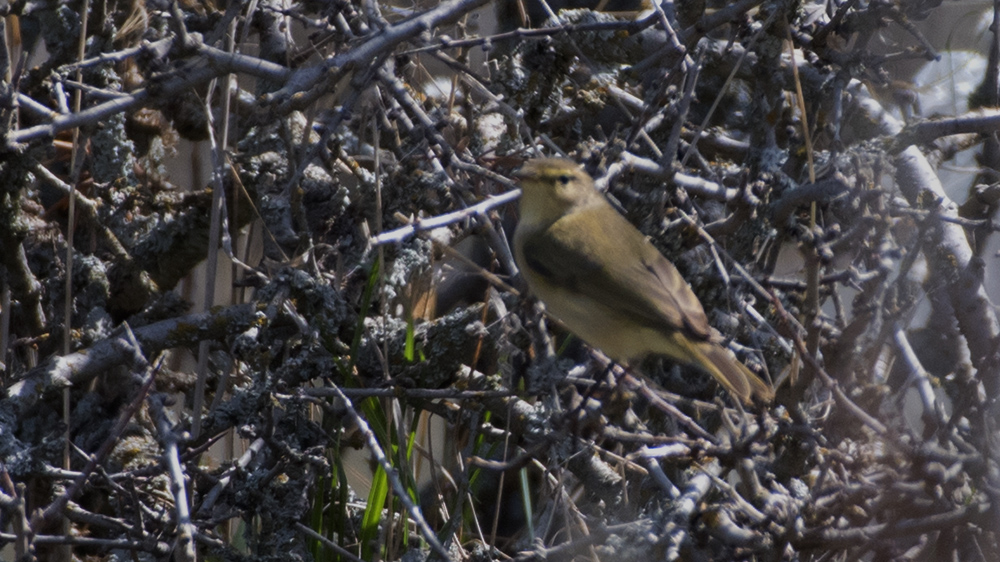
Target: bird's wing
[(649, 288)]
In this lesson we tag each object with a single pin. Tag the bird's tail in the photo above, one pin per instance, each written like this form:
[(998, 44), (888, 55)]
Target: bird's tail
[(740, 381)]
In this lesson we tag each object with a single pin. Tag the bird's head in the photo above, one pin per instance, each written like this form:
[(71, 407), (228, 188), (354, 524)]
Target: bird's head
[(551, 187)]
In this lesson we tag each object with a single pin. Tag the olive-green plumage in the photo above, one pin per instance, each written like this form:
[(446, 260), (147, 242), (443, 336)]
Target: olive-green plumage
[(600, 277)]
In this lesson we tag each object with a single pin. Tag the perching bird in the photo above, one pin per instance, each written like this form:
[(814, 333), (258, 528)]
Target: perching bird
[(601, 278)]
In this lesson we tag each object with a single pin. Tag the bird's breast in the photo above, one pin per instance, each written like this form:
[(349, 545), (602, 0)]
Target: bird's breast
[(597, 323)]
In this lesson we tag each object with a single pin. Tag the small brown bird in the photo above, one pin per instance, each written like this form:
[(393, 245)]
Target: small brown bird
[(601, 278)]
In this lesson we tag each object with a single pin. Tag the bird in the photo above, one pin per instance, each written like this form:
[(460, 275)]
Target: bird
[(601, 278)]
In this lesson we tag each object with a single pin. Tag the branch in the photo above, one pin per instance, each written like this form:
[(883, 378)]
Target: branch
[(419, 225), (79, 368)]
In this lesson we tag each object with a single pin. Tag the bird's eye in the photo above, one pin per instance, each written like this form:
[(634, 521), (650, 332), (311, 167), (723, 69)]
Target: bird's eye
[(564, 179)]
